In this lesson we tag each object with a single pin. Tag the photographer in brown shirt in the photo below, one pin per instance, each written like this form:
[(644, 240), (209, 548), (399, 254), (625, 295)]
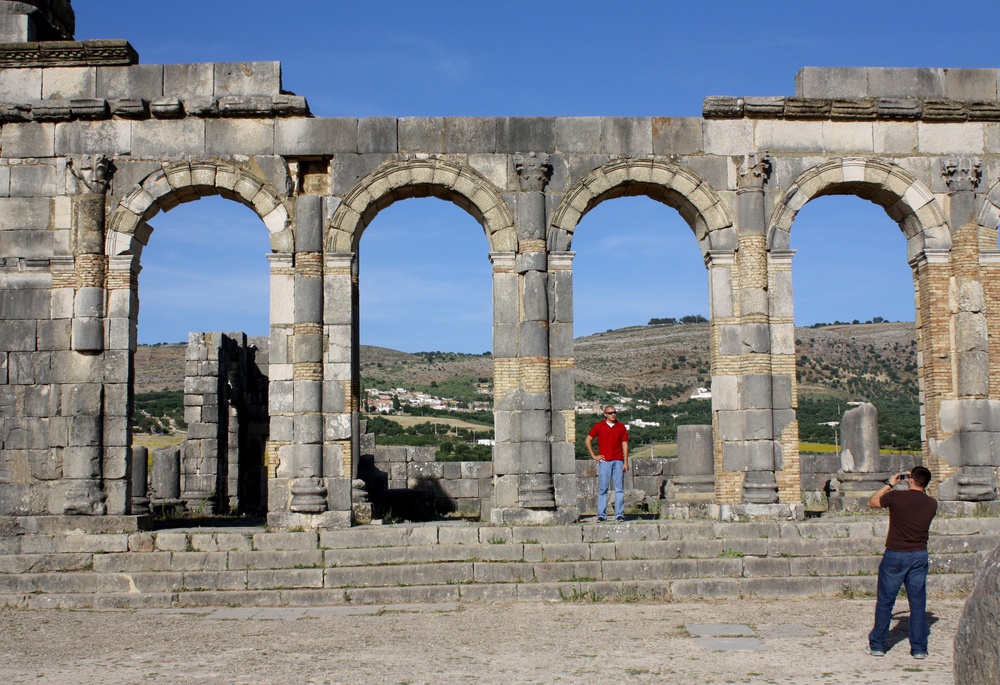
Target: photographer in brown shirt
[(905, 560)]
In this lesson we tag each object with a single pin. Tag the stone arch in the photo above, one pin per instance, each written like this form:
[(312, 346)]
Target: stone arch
[(668, 183), (126, 236), (181, 182), (906, 200), (395, 181), (989, 213)]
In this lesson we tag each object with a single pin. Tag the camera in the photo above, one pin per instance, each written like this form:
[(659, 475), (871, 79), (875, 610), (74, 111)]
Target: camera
[(903, 475)]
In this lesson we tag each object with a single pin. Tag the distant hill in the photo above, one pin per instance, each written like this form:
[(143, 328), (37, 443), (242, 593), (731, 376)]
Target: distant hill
[(852, 361)]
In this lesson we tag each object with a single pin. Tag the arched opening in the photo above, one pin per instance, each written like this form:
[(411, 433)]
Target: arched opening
[(855, 335), (712, 225), (425, 285), (641, 314), (889, 364), (219, 466), (202, 354), (641, 318)]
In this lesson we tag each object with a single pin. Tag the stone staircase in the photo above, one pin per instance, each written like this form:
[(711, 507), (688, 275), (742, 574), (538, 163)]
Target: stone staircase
[(455, 561)]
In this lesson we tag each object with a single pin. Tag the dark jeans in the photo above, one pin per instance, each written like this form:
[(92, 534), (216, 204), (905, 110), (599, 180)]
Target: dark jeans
[(910, 570)]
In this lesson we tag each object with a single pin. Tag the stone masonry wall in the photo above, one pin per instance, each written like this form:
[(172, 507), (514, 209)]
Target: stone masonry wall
[(225, 407), (94, 145)]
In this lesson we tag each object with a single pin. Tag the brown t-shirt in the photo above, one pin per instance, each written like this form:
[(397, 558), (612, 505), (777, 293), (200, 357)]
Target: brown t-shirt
[(910, 516)]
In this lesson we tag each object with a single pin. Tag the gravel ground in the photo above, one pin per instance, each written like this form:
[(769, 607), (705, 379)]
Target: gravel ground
[(785, 641)]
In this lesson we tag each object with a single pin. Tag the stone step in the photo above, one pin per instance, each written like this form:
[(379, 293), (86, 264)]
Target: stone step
[(867, 528), (445, 562), (861, 587), (156, 572), (153, 561)]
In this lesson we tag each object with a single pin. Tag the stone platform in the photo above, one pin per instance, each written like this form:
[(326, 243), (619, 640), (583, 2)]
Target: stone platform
[(452, 561)]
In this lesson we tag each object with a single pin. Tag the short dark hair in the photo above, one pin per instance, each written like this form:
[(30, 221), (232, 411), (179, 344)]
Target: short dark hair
[(920, 475)]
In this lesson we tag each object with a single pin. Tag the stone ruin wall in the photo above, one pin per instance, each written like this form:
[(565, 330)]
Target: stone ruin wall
[(93, 145), (225, 408)]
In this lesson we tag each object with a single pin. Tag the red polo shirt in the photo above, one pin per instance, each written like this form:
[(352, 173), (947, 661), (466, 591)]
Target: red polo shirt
[(610, 439)]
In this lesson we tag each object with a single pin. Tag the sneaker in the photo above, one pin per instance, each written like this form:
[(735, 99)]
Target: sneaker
[(920, 655), (874, 652), (601, 519), (620, 519)]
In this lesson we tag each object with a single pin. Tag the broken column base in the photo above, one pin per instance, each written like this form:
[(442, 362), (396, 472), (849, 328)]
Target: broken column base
[(291, 519), (517, 516), (672, 509), (849, 492), (757, 512), (970, 484), (686, 497), (976, 509)]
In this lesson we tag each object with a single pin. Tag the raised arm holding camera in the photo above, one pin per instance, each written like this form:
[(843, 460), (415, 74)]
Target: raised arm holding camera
[(905, 559)]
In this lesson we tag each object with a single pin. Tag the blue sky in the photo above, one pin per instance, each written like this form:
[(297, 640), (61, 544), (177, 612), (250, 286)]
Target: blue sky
[(636, 259)]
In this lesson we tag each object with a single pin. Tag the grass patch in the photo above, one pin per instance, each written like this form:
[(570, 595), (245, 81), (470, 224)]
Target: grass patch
[(580, 596)]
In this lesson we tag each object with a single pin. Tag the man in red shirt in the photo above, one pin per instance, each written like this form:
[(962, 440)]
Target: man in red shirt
[(905, 559), (612, 458)]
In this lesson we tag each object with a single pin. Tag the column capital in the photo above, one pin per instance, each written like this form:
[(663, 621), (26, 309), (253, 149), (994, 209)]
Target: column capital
[(125, 262), (560, 261), (88, 174), (340, 260), (720, 258), (280, 260), (962, 173), (533, 170), (989, 257), (936, 256), (754, 171), (781, 256), (503, 260)]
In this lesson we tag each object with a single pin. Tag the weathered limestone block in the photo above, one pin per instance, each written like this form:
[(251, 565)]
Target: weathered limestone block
[(140, 480), (694, 451), (859, 437), (166, 480), (247, 78), (977, 640), (137, 81)]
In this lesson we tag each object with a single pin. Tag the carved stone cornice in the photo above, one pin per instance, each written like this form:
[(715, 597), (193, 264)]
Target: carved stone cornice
[(962, 173), (850, 109), (68, 53), (754, 171), (533, 170)]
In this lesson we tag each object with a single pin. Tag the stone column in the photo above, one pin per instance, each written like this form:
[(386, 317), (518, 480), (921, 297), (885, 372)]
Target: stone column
[(308, 492), (506, 381), (82, 458), (122, 311), (784, 392), (932, 270), (341, 382), (562, 383), (724, 352), (745, 427), (535, 488), (281, 434), (968, 416)]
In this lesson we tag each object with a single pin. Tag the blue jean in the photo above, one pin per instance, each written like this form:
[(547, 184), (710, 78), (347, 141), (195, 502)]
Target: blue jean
[(896, 569), (608, 471)]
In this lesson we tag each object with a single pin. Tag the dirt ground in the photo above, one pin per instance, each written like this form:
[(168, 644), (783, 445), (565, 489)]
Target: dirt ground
[(785, 641)]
